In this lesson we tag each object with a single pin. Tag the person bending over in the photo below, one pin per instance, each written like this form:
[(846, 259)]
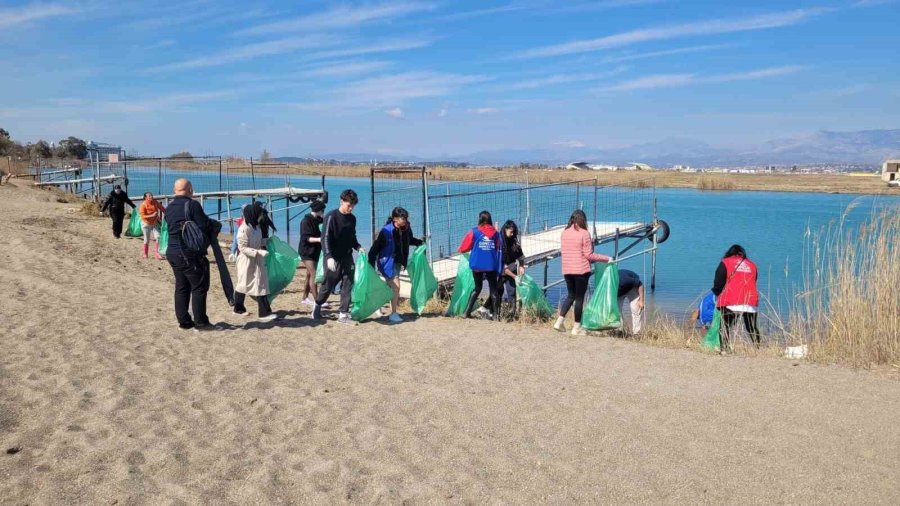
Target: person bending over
[(736, 295), (631, 289)]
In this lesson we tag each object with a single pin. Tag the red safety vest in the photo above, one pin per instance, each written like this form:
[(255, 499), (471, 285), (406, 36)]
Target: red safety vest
[(741, 285)]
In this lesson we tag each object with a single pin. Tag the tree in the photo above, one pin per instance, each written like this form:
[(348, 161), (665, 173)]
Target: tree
[(265, 156), (4, 134), (182, 154), (72, 147), (40, 149), (6, 144)]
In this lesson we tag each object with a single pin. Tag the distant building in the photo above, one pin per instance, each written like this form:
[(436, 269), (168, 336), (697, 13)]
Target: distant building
[(102, 152), (636, 166), (890, 171)]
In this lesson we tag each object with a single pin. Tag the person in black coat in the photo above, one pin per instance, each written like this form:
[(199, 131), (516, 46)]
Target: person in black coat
[(115, 203), (310, 249)]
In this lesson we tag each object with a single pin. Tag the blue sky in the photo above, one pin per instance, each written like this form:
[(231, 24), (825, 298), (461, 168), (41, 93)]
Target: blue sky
[(434, 78)]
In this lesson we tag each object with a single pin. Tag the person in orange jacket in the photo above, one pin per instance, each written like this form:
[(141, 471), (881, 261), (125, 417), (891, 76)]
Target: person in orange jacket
[(151, 212)]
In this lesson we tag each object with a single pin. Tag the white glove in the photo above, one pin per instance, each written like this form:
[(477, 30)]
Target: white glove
[(263, 253), (331, 264)]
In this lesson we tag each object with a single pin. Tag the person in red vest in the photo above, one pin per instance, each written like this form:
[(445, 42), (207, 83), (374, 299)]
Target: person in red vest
[(736, 295)]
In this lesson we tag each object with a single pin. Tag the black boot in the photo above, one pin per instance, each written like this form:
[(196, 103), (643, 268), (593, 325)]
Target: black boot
[(471, 305), (497, 305)]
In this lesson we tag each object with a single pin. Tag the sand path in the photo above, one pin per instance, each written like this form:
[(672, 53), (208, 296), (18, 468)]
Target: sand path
[(108, 402)]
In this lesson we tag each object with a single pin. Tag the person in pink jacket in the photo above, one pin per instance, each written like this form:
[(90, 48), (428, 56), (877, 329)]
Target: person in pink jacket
[(577, 253)]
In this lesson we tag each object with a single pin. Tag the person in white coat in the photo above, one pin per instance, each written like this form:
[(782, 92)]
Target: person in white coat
[(252, 277)]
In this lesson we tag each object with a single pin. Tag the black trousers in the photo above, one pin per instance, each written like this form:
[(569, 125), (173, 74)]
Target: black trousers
[(494, 295), (118, 216), (262, 304), (191, 285), (729, 319), (343, 275), (576, 286)]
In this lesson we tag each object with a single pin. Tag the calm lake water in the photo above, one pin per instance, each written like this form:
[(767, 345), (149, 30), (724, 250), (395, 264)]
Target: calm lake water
[(772, 227)]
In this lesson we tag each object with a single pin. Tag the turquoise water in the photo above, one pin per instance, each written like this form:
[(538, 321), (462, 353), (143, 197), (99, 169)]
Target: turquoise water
[(772, 226)]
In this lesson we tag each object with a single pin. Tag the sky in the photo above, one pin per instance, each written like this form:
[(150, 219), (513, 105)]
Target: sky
[(443, 78)]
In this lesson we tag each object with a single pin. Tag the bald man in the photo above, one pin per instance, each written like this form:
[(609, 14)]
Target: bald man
[(191, 269)]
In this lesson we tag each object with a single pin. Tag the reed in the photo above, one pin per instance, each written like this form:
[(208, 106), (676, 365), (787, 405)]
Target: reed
[(849, 309), (718, 183)]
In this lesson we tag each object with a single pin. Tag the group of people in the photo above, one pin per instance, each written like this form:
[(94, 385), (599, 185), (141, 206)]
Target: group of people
[(495, 257)]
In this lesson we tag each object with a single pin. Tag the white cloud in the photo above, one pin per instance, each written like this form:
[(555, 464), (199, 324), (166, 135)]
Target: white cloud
[(34, 12), (341, 17), (665, 52), (609, 4), (482, 111), (570, 144), (710, 27), (557, 79), (386, 46), (346, 68), (873, 3), (396, 112), (248, 52), (675, 80), (443, 113)]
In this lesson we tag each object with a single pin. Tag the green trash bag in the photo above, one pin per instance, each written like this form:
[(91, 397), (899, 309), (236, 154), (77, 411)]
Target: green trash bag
[(281, 265), (602, 311), (369, 291), (711, 339), (134, 225), (163, 238), (424, 284), (462, 287), (320, 267), (532, 297)]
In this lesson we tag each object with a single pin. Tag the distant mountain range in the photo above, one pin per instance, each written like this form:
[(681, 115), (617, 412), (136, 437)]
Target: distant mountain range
[(864, 147)]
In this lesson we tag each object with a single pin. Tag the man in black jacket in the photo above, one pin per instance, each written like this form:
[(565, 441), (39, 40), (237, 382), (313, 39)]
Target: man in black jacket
[(116, 205), (191, 269), (338, 243)]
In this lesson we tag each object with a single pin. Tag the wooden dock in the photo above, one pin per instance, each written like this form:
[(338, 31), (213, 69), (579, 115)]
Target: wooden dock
[(537, 247)]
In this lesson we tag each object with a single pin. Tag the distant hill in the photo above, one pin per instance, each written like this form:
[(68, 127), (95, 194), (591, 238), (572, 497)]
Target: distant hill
[(868, 146)]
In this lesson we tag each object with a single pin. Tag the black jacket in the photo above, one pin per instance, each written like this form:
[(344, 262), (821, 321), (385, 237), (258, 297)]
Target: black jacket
[(339, 235), (117, 201), (403, 239), (175, 218), (309, 227)]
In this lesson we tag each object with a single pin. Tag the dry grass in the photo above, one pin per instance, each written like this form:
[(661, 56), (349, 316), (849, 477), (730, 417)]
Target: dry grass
[(717, 182), (849, 310)]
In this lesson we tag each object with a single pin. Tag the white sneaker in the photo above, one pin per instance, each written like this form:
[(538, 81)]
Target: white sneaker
[(395, 318), (560, 325), (344, 319), (578, 331), (378, 314), (483, 312), (269, 318), (308, 302), (325, 305)]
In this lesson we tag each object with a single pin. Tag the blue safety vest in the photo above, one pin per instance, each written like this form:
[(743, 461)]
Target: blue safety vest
[(385, 261), (485, 255)]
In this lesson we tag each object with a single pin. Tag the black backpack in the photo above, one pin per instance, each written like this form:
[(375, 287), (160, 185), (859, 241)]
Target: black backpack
[(194, 239)]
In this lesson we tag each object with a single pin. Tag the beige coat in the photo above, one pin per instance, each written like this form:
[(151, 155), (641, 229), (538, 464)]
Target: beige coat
[(252, 278)]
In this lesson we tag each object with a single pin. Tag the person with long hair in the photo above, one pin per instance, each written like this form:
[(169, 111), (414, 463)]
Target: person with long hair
[(252, 276), (389, 253), (736, 295), (151, 212), (485, 244), (577, 253), (310, 249), (513, 260)]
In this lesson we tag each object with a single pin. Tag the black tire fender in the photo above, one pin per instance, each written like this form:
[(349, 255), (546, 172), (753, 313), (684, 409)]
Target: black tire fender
[(662, 231)]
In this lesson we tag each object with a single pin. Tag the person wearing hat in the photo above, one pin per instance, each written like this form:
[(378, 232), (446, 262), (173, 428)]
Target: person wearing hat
[(310, 249), (115, 202)]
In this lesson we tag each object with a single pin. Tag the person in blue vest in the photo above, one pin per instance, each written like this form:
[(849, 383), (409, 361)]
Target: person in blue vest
[(486, 245), (389, 253)]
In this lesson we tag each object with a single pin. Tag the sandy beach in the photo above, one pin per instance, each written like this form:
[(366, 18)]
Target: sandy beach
[(103, 400)]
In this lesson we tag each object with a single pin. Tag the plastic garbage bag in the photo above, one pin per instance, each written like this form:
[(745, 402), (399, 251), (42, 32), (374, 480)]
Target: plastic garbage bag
[(533, 299), (163, 238), (711, 339), (463, 287), (134, 225), (422, 279), (320, 267), (281, 265), (369, 291), (602, 311)]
